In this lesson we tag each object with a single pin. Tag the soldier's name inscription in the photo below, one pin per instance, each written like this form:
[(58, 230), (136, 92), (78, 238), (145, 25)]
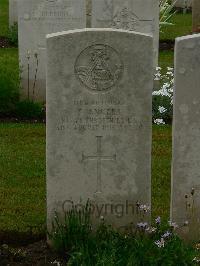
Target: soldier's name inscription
[(98, 115)]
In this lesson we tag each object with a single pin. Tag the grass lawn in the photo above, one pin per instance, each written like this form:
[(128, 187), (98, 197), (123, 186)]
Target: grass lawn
[(22, 176), (161, 171), (9, 79), (9, 62), (166, 59), (4, 13), (182, 26)]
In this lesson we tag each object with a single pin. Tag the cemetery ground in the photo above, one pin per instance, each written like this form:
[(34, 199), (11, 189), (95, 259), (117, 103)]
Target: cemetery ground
[(23, 201), (22, 167), (22, 184), (22, 170)]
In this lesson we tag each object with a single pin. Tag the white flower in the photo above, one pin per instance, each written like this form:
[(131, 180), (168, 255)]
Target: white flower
[(159, 121), (169, 73), (160, 243), (145, 208), (158, 220), (174, 225), (56, 262), (28, 54), (156, 93), (166, 234), (102, 218), (162, 109), (170, 68), (157, 78), (197, 260), (150, 230), (142, 225)]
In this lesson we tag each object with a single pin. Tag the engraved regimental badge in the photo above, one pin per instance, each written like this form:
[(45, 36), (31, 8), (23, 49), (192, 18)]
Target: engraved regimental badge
[(125, 19), (99, 67)]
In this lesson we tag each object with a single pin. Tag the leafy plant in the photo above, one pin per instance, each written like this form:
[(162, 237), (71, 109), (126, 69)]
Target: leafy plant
[(9, 94), (28, 109), (13, 34), (166, 12), (145, 245), (163, 98), (67, 235)]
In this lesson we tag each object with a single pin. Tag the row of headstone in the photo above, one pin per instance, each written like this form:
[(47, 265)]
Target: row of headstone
[(36, 18), (13, 13), (183, 3), (99, 132), (195, 5), (185, 204), (196, 16)]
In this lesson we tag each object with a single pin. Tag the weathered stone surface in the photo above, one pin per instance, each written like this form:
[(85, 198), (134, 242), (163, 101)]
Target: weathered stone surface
[(12, 12), (186, 131), (133, 15), (196, 16), (99, 122), (89, 12), (36, 19)]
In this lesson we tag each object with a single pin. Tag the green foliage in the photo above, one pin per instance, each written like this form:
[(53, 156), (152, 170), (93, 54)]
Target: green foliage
[(166, 12), (74, 231), (13, 35), (76, 241), (22, 181), (166, 59), (28, 109), (4, 13), (163, 98), (10, 89), (165, 102), (182, 25), (161, 170), (9, 81), (9, 94)]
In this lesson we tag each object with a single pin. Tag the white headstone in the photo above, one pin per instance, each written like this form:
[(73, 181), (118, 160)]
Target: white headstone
[(12, 12), (183, 3), (36, 19), (99, 122), (196, 16), (133, 15), (185, 205)]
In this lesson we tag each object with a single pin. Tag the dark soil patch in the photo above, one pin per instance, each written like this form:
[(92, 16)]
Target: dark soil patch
[(18, 239), (166, 45), (5, 43), (36, 254), (20, 120)]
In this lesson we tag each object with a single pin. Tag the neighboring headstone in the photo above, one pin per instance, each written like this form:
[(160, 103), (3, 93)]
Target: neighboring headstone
[(133, 15), (12, 12), (89, 12), (184, 4), (36, 19), (196, 15), (99, 120), (185, 204)]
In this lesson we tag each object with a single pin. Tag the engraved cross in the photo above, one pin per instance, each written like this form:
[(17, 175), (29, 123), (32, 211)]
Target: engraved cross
[(99, 157)]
